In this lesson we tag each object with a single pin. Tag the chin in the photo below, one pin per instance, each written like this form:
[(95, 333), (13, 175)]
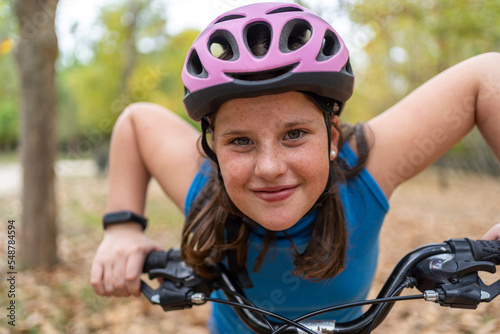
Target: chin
[(278, 224)]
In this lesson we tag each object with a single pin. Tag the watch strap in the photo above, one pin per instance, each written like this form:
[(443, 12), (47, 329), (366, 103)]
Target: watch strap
[(118, 217)]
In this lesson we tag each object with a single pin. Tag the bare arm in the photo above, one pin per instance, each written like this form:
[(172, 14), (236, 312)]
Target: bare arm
[(148, 141), (414, 133)]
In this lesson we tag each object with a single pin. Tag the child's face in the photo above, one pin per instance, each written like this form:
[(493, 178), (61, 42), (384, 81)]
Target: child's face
[(273, 156)]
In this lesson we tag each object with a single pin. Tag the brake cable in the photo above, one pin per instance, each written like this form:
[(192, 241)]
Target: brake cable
[(348, 305)]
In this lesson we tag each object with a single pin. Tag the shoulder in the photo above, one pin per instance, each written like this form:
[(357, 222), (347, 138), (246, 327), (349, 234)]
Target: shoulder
[(203, 175), (362, 190)]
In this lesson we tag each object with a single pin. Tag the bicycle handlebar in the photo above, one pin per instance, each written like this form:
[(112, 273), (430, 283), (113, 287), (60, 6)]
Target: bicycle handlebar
[(446, 273), (484, 250)]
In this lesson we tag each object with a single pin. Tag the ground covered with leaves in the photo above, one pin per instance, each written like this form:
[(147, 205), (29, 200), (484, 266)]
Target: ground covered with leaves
[(428, 209)]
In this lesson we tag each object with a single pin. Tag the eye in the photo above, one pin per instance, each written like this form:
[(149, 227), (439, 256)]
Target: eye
[(241, 141), (294, 134)]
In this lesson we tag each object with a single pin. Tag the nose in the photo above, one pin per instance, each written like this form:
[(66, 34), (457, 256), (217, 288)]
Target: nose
[(270, 162)]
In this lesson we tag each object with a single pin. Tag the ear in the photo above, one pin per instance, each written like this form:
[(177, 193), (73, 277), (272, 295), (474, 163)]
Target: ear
[(334, 134)]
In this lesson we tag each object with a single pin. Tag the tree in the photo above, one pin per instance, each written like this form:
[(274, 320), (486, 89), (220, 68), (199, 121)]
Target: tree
[(36, 55)]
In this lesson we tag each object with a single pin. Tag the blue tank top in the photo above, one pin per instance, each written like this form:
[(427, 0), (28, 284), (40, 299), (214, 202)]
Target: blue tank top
[(276, 289)]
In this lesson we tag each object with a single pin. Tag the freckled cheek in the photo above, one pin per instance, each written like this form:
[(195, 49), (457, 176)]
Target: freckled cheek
[(313, 166), (235, 172)]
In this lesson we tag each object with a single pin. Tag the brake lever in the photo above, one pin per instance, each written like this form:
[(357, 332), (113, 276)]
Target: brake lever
[(489, 292), (471, 255), (179, 282), (178, 273), (454, 277), (169, 296)]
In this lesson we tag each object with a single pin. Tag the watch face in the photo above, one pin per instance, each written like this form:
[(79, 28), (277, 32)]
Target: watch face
[(122, 216), (118, 217)]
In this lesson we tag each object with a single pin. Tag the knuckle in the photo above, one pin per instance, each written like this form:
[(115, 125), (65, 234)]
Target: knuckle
[(130, 278), (121, 252), (119, 285), (96, 284)]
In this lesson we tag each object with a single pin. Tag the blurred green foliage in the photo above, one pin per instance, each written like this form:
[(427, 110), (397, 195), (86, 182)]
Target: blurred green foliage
[(407, 42), (132, 58), (404, 43), (8, 81), (135, 59)]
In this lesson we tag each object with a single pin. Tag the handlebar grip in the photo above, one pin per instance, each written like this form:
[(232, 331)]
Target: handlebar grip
[(486, 250), (155, 260)]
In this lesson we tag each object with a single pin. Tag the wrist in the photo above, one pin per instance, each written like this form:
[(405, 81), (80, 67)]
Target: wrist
[(123, 227)]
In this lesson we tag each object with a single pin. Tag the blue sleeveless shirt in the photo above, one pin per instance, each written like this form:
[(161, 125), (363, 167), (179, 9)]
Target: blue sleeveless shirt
[(276, 289)]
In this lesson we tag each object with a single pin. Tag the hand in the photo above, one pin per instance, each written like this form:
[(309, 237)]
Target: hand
[(119, 260), (493, 233)]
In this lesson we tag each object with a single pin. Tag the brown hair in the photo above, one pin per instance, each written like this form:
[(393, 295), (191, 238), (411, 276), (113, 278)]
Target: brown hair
[(204, 235)]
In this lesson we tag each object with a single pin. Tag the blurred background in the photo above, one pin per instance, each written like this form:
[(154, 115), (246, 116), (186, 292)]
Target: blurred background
[(67, 70)]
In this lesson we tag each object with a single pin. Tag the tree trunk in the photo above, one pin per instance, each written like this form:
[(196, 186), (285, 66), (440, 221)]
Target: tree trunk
[(36, 54)]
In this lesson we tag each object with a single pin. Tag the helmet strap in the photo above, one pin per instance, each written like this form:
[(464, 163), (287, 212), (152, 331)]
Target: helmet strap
[(204, 144), (325, 104), (328, 123)]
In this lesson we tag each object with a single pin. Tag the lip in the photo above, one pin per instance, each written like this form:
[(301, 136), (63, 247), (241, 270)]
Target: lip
[(275, 193)]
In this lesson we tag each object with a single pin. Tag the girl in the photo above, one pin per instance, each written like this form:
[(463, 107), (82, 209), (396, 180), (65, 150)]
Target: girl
[(286, 191)]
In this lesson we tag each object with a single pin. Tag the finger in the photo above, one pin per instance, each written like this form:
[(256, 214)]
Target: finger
[(493, 233), (118, 277), (133, 271), (96, 278), (106, 279), (113, 277), (157, 247)]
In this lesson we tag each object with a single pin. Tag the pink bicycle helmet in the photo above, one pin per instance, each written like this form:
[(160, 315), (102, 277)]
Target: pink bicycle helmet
[(319, 68)]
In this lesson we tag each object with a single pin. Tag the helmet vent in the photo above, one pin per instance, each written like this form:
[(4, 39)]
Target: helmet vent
[(258, 38), (330, 46), (229, 18), (296, 33), (263, 75), (195, 67), (285, 10), (222, 45)]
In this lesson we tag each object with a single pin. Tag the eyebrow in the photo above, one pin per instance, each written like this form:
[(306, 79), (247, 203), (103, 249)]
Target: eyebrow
[(285, 125), (295, 123), (233, 133)]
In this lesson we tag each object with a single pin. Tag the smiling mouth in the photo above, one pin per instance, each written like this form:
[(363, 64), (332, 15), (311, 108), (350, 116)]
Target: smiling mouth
[(276, 194)]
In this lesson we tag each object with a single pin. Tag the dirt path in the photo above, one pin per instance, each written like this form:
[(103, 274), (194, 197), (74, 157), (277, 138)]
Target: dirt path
[(10, 179), (11, 174)]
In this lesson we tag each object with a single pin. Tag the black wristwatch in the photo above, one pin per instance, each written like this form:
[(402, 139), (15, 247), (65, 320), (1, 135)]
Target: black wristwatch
[(122, 217)]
